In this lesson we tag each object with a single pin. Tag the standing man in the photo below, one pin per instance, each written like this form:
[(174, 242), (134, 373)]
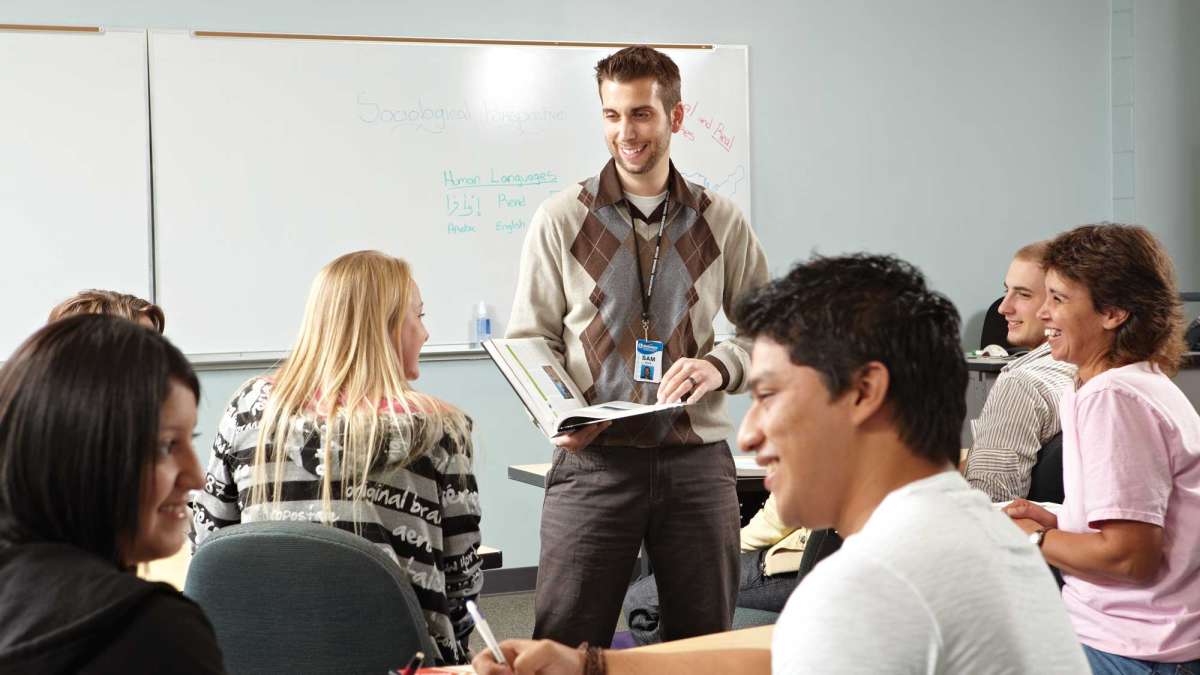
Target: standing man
[(623, 276), (1021, 411)]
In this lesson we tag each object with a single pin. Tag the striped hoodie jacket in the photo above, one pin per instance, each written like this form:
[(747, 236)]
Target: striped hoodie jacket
[(424, 514)]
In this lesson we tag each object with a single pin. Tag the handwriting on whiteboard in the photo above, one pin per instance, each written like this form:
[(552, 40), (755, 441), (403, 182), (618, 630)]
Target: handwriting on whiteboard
[(437, 118), (493, 178), (495, 200), (430, 118), (707, 125), (726, 185)]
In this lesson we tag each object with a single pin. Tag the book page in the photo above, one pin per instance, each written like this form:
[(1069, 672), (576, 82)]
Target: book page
[(537, 368), (538, 380), (550, 395), (613, 410)]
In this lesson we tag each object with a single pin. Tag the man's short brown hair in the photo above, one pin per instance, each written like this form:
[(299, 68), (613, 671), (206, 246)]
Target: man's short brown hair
[(1034, 253), (640, 61), (1125, 267), (93, 301)]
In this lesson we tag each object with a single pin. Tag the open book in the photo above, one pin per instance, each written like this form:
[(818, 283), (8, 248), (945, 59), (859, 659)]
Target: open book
[(552, 398)]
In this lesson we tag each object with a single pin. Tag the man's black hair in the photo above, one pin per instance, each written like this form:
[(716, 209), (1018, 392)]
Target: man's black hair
[(836, 314)]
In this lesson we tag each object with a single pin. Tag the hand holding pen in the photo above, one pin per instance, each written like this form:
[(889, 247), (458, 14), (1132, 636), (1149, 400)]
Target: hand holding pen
[(544, 657), (485, 631), (540, 657)]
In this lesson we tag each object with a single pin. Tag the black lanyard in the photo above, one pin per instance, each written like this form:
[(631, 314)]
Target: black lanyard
[(637, 251)]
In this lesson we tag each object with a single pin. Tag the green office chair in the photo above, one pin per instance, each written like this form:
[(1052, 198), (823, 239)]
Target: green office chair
[(290, 597)]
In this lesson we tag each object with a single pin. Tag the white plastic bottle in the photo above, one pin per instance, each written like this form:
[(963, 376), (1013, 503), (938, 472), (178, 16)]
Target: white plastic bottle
[(483, 323)]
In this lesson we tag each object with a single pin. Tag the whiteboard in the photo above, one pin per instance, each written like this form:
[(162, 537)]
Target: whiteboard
[(74, 171), (273, 156)]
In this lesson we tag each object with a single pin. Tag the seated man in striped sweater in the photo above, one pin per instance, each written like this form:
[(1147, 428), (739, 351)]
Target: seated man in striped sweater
[(1021, 411)]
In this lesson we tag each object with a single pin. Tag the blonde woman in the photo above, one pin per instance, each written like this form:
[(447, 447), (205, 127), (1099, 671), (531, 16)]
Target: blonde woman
[(337, 435)]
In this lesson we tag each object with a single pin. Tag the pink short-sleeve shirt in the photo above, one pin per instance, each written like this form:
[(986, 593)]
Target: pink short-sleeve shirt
[(1131, 451)]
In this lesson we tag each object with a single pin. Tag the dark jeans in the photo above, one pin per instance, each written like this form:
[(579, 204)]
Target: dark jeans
[(602, 504), (755, 591)]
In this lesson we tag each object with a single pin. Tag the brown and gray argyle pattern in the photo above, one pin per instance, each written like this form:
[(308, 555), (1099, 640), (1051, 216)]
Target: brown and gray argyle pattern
[(591, 311)]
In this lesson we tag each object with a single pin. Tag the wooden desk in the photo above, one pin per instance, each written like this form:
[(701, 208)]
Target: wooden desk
[(758, 637)]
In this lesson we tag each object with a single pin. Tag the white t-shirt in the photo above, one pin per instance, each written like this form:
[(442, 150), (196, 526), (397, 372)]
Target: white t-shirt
[(937, 581), (646, 204)]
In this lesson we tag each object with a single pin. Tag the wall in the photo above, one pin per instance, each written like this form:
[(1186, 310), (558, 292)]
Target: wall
[(1166, 127), (874, 125)]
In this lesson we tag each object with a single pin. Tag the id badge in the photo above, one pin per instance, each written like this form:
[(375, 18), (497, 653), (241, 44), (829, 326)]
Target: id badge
[(647, 362)]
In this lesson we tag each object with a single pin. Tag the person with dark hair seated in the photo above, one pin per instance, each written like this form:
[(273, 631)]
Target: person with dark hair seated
[(1127, 538), (858, 385), (96, 461)]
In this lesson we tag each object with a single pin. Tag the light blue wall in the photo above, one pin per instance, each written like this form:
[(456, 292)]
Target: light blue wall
[(1156, 67), (879, 61)]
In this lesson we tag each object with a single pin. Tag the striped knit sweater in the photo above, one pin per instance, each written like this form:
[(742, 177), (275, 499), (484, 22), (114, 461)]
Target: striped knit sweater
[(424, 514), (1019, 416), (578, 289)]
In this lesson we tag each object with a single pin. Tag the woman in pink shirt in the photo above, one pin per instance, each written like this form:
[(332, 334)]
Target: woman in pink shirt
[(1127, 538)]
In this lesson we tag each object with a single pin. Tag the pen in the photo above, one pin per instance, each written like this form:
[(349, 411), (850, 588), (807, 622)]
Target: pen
[(482, 624)]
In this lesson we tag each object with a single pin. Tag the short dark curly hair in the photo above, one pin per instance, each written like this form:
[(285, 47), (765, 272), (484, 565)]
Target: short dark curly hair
[(836, 314), (1126, 267)]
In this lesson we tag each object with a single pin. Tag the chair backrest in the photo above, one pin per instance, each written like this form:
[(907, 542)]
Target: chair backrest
[(821, 544), (1046, 482), (995, 328), (1192, 335), (292, 597)]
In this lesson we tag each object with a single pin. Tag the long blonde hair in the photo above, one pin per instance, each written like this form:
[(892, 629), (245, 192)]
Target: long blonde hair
[(345, 375)]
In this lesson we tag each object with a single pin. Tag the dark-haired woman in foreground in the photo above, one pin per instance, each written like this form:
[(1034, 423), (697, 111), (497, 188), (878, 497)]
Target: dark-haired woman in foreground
[(1128, 536), (96, 462)]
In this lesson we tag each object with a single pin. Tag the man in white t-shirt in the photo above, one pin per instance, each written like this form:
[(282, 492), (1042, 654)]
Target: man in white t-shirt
[(858, 382)]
